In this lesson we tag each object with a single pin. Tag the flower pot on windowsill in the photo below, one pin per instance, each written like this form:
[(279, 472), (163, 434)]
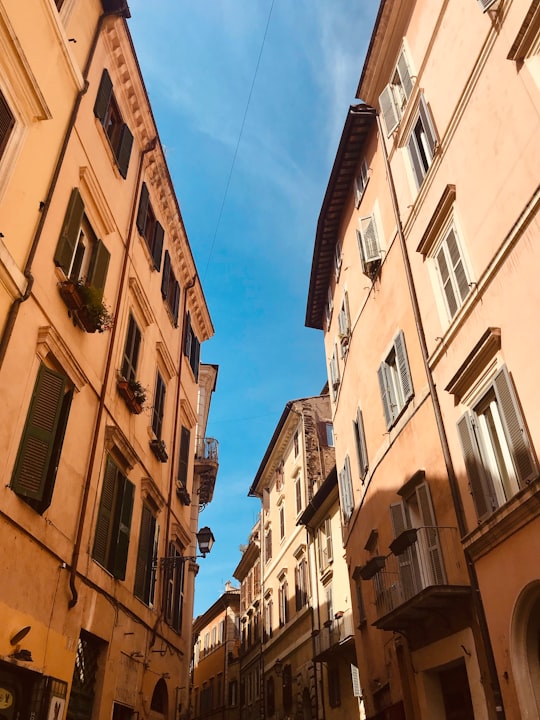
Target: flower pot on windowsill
[(132, 394), (159, 450), (183, 494), (70, 294), (86, 306)]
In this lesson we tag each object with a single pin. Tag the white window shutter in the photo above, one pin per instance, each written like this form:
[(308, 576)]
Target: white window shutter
[(446, 281), (458, 266), (368, 242), (427, 122), (361, 447), (482, 489), (486, 4), (385, 394), (423, 497), (404, 74), (389, 110), (403, 366), (355, 677)]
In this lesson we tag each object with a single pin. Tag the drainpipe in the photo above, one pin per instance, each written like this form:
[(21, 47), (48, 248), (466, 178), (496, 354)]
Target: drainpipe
[(27, 272), (452, 479)]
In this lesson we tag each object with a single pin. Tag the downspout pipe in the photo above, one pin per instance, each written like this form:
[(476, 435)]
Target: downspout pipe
[(452, 478), (27, 272)]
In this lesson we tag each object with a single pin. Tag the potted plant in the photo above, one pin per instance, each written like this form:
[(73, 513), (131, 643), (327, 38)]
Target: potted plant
[(159, 449), (133, 392), (86, 306), (182, 493)]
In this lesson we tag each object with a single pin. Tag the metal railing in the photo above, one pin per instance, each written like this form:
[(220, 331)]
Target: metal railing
[(206, 449), (334, 632)]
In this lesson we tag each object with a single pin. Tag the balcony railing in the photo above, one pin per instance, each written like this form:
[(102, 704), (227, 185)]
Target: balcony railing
[(424, 571), (206, 467), (334, 634), (206, 449)]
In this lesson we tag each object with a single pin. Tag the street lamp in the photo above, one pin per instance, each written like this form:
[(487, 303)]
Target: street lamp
[(205, 540)]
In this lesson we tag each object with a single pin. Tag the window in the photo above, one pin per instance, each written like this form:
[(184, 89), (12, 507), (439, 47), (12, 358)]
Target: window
[(233, 693), (346, 490), (325, 544), (496, 446), (281, 522), (41, 443), (221, 631), (334, 694), (329, 604), (192, 348), (327, 434), (298, 493), (7, 121), (360, 606), (360, 182), (361, 446), (283, 603), (78, 252), (300, 577), (174, 588), (268, 609), (149, 227), (108, 113), (395, 381), (287, 689), (334, 373), (159, 405), (296, 444), (87, 662), (183, 462), (147, 553), (452, 273), (270, 696), (131, 351), (214, 636), (111, 541), (368, 245), (344, 325), (268, 544), (337, 259), (329, 307), (394, 97), (170, 288), (422, 143)]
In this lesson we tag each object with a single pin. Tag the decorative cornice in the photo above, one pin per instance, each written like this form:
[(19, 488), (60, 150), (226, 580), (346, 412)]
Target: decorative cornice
[(166, 360), (481, 354), (142, 303), (49, 341), (115, 438), (151, 492)]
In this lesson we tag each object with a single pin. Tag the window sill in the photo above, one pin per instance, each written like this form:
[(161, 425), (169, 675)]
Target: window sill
[(520, 510)]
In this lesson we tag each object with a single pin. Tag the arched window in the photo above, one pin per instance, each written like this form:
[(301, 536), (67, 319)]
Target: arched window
[(159, 701)]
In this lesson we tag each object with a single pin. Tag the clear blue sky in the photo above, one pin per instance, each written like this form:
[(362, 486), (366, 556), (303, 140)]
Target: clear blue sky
[(253, 244)]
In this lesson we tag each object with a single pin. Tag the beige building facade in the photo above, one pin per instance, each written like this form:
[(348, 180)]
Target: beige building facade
[(423, 280), (105, 458)]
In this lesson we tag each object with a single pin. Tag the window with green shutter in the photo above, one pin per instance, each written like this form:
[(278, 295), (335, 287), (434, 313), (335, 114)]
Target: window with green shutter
[(147, 553), (159, 406), (150, 228), (111, 540), (183, 464), (174, 590), (37, 461), (192, 347), (108, 113), (132, 346)]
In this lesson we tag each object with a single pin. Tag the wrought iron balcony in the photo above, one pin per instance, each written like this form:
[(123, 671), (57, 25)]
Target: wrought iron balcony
[(334, 635), (206, 467), (422, 580)]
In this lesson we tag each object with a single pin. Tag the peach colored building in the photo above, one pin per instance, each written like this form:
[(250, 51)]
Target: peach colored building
[(216, 669), (423, 280), (105, 460)]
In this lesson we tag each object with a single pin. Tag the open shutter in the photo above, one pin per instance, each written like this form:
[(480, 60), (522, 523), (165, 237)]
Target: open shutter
[(355, 678), (100, 551), (389, 110), (124, 527), (482, 489), (157, 249), (37, 442), (97, 273), (435, 572), (56, 452), (124, 150), (446, 281), (103, 97), (462, 281), (185, 440), (159, 404), (196, 356), (65, 248), (165, 275), (514, 427), (427, 122), (361, 447), (386, 397), (403, 366), (142, 212), (145, 551), (404, 75), (176, 302), (187, 336)]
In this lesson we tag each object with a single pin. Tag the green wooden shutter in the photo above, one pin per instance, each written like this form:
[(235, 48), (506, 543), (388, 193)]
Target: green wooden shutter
[(514, 427), (125, 510), (165, 275), (402, 363), (67, 241), (103, 97), (157, 250), (37, 442), (102, 538), (187, 336), (123, 153), (99, 265), (145, 552), (176, 302), (159, 404), (481, 486), (143, 209), (56, 452), (196, 356), (185, 441)]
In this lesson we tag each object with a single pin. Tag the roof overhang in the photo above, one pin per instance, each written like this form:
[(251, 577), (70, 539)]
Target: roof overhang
[(357, 126)]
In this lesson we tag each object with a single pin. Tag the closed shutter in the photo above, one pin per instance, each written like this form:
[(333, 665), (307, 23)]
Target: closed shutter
[(56, 452), (67, 242), (481, 487), (355, 678), (435, 571), (389, 110), (99, 266), (157, 248), (176, 302), (143, 569), (369, 243), (124, 526), (446, 281), (361, 447), (185, 441), (165, 275), (103, 97), (159, 403), (178, 608), (514, 427), (7, 121), (37, 442), (403, 367), (142, 212), (386, 397), (102, 538), (187, 336), (123, 153), (196, 356)]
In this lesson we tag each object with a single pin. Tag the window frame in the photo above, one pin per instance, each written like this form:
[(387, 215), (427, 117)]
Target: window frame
[(395, 96), (150, 228), (369, 244), (132, 349), (395, 381), (108, 113), (7, 123), (453, 281), (158, 408), (421, 142), (361, 444)]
